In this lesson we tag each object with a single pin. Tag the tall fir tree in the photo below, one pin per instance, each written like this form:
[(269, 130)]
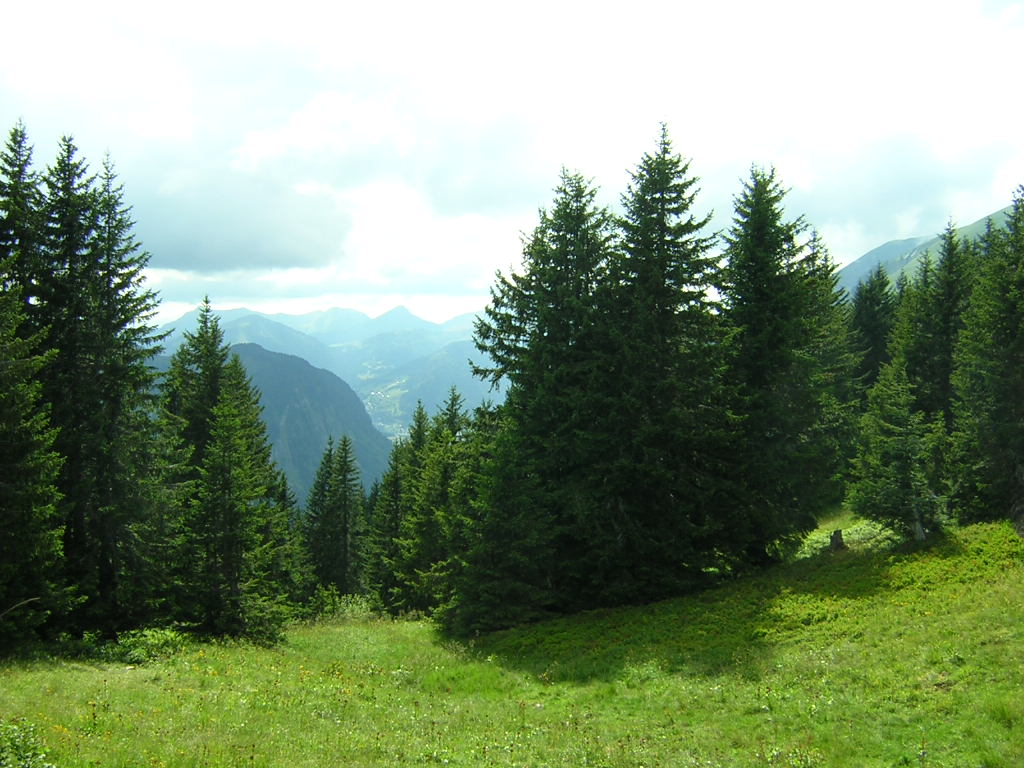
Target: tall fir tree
[(381, 552), (664, 424), (30, 545), (333, 522), (779, 298), (21, 204), (90, 301), (545, 333), (988, 379), (950, 295), (238, 527), (422, 547), (241, 558), (872, 318), (890, 481), (192, 384)]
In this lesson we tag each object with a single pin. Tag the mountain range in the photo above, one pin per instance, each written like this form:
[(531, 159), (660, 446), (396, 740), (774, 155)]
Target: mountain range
[(392, 361)]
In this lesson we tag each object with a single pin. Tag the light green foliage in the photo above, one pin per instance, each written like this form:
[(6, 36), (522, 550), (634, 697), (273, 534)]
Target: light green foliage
[(19, 746), (327, 605), (140, 646), (893, 470)]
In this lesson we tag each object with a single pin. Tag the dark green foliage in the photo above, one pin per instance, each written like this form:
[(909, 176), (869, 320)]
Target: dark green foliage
[(192, 385), (238, 525), (30, 544), (546, 333), (506, 572), (989, 379), (239, 560), (954, 279), (333, 523), (78, 271), (662, 418), (928, 325), (872, 318), (380, 578), (20, 211), (788, 364), (423, 547)]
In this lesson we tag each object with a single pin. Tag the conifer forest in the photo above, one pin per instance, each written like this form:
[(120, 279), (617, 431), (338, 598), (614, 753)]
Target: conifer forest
[(681, 407)]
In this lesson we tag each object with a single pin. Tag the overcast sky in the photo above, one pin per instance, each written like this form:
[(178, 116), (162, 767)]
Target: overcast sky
[(301, 155)]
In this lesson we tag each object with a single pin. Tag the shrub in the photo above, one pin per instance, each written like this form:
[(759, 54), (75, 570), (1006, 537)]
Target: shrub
[(327, 604), (19, 746), (142, 645)]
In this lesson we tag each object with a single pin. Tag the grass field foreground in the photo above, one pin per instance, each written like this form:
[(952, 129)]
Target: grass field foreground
[(876, 656)]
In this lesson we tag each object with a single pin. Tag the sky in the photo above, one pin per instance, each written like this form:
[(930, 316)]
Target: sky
[(288, 157)]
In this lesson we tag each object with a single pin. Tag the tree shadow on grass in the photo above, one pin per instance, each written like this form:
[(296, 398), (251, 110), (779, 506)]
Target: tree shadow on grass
[(733, 628)]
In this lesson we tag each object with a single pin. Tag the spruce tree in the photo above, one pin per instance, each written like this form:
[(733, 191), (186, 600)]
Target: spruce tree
[(664, 424), (21, 205), (503, 567), (238, 528), (30, 545), (422, 547), (989, 377), (89, 297), (780, 303), (333, 519), (891, 475), (545, 332), (381, 551), (192, 384), (242, 560), (872, 318), (951, 293)]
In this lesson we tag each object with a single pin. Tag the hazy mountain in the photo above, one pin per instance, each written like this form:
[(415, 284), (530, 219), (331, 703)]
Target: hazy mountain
[(302, 406), (903, 256), (329, 326), (390, 361), (428, 379)]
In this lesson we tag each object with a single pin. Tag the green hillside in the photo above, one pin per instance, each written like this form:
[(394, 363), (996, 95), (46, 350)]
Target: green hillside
[(874, 656), (902, 256)]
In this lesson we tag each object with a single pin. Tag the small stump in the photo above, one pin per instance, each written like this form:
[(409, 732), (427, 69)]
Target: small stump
[(836, 542)]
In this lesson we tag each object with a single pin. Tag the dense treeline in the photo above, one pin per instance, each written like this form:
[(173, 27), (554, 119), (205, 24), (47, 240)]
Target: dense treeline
[(672, 417), (942, 434), (675, 415)]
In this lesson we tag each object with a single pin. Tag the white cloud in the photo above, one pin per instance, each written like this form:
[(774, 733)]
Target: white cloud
[(399, 149)]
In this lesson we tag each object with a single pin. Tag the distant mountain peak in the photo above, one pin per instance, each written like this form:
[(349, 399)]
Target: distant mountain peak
[(399, 311)]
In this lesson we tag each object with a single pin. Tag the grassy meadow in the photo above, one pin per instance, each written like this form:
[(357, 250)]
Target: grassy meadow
[(875, 656)]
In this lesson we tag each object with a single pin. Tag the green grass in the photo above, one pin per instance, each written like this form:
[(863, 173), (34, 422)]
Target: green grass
[(876, 656)]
